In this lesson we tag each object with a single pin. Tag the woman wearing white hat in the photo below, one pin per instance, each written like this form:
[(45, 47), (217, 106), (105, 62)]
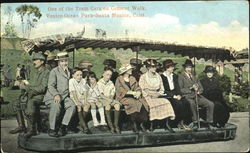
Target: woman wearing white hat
[(128, 93)]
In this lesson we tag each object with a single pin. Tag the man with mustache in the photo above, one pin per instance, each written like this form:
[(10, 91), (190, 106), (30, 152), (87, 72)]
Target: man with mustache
[(35, 89), (57, 96)]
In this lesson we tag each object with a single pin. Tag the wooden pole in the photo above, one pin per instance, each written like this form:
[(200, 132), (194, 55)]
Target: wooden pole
[(194, 66), (74, 57)]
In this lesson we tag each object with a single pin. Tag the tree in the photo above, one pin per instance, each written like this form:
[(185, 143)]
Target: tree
[(30, 15), (9, 28), (9, 31), (9, 12)]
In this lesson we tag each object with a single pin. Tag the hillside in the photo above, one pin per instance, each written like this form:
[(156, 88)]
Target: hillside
[(13, 54)]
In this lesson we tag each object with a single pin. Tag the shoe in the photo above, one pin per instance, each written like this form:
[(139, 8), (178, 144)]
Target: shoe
[(62, 131), (21, 124), (103, 124), (117, 130), (18, 130), (195, 127), (96, 124), (211, 126), (169, 128), (135, 127), (53, 133), (151, 129), (185, 127), (86, 131), (112, 130), (143, 129)]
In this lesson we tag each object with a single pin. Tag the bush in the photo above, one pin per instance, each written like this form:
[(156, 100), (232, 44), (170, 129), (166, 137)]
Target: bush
[(245, 89)]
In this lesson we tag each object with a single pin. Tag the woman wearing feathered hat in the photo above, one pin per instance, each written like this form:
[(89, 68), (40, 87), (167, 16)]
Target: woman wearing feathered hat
[(152, 90), (212, 92), (128, 93), (172, 90)]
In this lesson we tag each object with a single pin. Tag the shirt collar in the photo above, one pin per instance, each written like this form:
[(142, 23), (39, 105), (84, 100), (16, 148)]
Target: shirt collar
[(104, 82), (165, 74)]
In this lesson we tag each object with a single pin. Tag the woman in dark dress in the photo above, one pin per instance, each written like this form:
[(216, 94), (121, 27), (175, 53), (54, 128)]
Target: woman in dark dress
[(172, 91), (212, 92)]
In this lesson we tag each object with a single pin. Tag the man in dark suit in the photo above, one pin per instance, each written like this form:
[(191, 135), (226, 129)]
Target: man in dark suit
[(172, 90), (190, 87)]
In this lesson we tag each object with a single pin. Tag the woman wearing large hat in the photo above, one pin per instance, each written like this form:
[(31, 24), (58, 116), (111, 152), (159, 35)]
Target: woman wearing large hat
[(128, 93), (212, 92), (152, 90), (172, 90)]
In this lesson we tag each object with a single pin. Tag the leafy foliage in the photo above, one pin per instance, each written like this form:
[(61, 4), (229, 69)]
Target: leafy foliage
[(9, 31), (30, 15)]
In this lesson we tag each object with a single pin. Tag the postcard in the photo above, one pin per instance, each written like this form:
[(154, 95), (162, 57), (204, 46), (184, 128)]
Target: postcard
[(142, 76)]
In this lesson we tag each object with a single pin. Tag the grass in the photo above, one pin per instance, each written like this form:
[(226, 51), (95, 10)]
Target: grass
[(10, 96)]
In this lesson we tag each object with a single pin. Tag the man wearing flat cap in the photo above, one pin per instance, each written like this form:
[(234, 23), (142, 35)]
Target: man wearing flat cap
[(57, 96), (35, 89), (192, 90), (109, 63), (136, 64)]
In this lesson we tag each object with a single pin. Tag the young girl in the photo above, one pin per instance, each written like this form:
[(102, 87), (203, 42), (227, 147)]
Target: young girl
[(78, 93), (93, 97)]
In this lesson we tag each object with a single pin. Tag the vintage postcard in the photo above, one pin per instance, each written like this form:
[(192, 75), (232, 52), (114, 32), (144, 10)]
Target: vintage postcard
[(150, 76)]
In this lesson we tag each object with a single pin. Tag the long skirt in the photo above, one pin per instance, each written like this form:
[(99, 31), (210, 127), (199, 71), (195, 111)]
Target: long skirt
[(159, 108), (137, 108), (221, 114), (181, 109), (140, 117)]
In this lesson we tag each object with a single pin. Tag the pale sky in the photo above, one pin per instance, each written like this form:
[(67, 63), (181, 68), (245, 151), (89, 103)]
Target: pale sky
[(202, 23)]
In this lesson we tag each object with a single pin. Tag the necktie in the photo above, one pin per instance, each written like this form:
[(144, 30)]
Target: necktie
[(190, 76), (66, 72)]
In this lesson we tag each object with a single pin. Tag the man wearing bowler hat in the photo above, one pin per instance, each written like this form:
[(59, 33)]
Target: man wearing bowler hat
[(57, 96), (192, 89), (35, 89)]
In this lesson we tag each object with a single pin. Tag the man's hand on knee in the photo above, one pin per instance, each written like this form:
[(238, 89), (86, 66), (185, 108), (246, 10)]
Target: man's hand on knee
[(57, 99)]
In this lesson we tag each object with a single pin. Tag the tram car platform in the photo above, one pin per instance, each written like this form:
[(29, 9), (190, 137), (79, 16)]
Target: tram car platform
[(127, 139)]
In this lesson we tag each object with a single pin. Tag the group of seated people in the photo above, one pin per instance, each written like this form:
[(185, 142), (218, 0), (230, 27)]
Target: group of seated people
[(145, 97)]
